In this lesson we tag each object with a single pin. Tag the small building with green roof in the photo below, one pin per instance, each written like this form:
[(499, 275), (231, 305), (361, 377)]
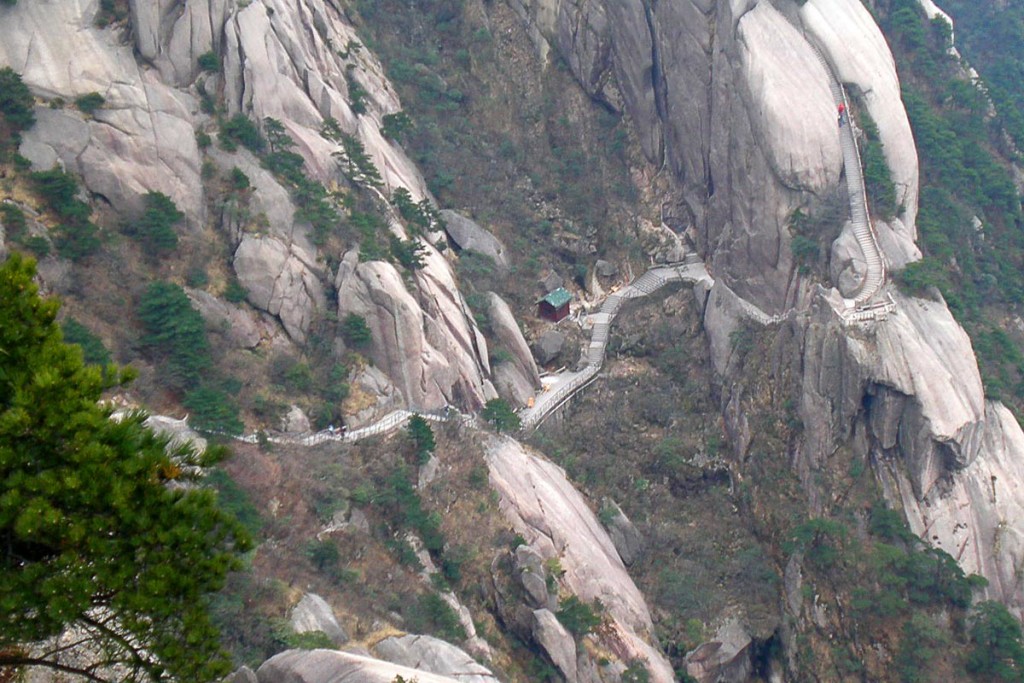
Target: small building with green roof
[(555, 305)]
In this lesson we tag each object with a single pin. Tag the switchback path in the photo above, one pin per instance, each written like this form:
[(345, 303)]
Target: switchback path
[(860, 218)]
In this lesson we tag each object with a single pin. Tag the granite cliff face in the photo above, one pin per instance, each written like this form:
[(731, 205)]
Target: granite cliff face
[(281, 59), (732, 97)]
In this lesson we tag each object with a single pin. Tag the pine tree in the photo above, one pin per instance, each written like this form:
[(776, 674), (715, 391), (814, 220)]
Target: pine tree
[(99, 532)]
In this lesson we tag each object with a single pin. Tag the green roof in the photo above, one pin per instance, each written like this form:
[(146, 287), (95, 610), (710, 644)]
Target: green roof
[(557, 298)]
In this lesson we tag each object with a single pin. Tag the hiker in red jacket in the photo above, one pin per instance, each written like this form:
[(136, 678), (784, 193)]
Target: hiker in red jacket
[(842, 110)]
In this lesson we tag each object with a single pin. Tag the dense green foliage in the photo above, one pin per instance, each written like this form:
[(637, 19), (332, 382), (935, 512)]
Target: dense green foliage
[(93, 536), (578, 617), (991, 34), (90, 102), (209, 61), (175, 333), (93, 350), (997, 652), (16, 100), (355, 331), (499, 413), (975, 266), (76, 235), (155, 228), (422, 437)]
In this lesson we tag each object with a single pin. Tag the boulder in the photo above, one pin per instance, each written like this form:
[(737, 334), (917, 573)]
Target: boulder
[(551, 281), (426, 653), (606, 269), (468, 235), (726, 659), (239, 327), (548, 347), (281, 280), (433, 353), (529, 564), (243, 675), (269, 204), (517, 378), (542, 505), (318, 666), (295, 421), (847, 266), (312, 613), (371, 396), (512, 384), (627, 540), (557, 642)]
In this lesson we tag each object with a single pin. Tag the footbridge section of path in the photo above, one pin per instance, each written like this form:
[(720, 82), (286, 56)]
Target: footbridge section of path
[(567, 384)]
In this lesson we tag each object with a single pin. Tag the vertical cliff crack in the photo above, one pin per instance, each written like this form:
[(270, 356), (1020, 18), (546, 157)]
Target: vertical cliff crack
[(658, 83)]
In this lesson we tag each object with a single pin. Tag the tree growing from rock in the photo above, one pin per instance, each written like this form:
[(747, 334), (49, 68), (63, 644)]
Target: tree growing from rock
[(104, 536), (422, 437), (499, 413)]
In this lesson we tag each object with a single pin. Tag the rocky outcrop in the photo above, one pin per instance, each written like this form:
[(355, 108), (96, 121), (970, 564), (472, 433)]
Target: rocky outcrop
[(725, 658), (516, 378), (542, 506), (317, 666), (908, 392), (733, 98), (141, 140), (467, 234), (432, 352), (556, 642), (238, 326), (425, 653), (973, 514), (171, 34), (625, 537), (857, 51), (549, 346), (312, 613), (281, 279)]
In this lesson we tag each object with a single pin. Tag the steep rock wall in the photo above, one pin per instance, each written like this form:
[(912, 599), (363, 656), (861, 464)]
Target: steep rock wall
[(728, 95), (542, 505), (292, 60)]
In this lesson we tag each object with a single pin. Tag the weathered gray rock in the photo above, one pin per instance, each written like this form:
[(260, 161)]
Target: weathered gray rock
[(551, 282), (529, 564), (171, 34), (467, 234), (556, 642), (433, 354), (605, 268), (542, 505), (518, 378), (624, 534), (857, 50), (243, 675), (143, 137), (320, 666), (312, 613), (269, 205), (549, 346), (281, 280), (726, 659), (295, 421), (847, 266), (374, 394), (426, 653), (237, 324)]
